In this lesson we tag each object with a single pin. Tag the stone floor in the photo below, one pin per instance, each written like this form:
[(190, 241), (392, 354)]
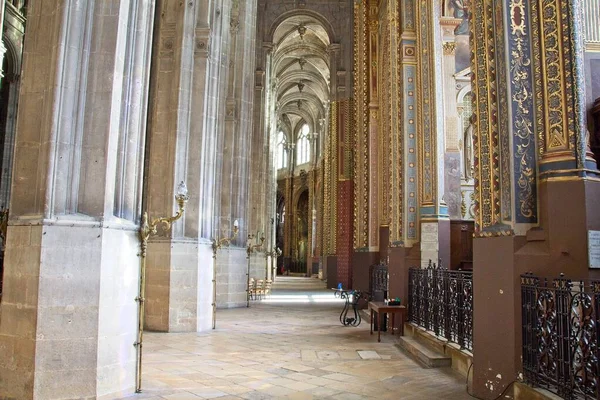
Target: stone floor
[(291, 346)]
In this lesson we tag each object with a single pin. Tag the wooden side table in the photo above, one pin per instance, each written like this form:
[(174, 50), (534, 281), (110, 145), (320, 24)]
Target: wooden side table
[(380, 307)]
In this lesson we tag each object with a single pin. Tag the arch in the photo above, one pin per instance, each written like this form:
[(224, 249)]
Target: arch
[(14, 57), (302, 12)]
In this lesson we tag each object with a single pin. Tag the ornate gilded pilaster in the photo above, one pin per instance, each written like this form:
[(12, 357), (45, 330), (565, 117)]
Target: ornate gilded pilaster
[(330, 184), (427, 113), (392, 142), (409, 130), (408, 121), (485, 41), (564, 141), (333, 134), (376, 174), (361, 127)]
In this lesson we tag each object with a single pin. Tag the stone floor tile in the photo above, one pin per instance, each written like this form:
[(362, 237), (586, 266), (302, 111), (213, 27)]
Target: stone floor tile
[(288, 351), (209, 393), (182, 396), (368, 355)]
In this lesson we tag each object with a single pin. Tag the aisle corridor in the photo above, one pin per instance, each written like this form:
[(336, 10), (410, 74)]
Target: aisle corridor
[(291, 346)]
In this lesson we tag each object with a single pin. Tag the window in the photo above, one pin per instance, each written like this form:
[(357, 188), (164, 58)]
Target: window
[(282, 157), (303, 146)]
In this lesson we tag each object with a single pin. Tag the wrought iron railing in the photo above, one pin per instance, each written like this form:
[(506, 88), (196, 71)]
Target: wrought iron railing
[(561, 335), (442, 301)]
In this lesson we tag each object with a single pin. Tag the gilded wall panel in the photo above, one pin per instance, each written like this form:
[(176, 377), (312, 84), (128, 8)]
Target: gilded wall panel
[(426, 109), (408, 15), (384, 76), (561, 44), (410, 137), (503, 164), (523, 111), (332, 171), (396, 140), (485, 147)]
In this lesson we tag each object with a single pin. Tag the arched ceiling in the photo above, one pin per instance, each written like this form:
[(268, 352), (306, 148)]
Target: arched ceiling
[(301, 71)]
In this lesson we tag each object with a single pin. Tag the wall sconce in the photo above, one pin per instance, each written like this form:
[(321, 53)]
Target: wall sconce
[(147, 230), (250, 248), (216, 245)]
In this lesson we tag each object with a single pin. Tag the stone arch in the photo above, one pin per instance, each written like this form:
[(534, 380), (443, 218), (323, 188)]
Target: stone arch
[(12, 56)]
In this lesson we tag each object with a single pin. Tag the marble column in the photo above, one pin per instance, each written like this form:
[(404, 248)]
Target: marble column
[(69, 314)]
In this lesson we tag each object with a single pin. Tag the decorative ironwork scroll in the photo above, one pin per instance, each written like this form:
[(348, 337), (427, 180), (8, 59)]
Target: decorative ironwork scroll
[(441, 301), (560, 336)]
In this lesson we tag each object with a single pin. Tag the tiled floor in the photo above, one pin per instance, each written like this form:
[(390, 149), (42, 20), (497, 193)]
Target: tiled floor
[(291, 347)]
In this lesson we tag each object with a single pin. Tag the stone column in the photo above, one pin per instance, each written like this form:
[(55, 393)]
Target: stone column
[(69, 314), (182, 148), (235, 201)]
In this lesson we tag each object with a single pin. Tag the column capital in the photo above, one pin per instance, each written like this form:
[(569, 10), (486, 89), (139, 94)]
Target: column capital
[(449, 48)]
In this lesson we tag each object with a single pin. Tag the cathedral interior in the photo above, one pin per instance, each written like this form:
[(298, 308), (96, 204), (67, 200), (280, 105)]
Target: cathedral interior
[(180, 174)]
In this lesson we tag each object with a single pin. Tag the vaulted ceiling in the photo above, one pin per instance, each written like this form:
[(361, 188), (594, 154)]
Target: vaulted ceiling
[(301, 72)]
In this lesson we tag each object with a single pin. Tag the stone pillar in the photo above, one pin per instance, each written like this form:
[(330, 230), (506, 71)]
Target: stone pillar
[(178, 285), (237, 63), (435, 224), (69, 314)]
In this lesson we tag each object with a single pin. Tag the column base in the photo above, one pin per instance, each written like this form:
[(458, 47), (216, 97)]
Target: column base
[(69, 315), (435, 242), (232, 267), (179, 286)]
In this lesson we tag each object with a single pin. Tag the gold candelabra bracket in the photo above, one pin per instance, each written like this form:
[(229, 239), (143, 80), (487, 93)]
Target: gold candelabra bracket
[(251, 248), (151, 229), (217, 244)]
